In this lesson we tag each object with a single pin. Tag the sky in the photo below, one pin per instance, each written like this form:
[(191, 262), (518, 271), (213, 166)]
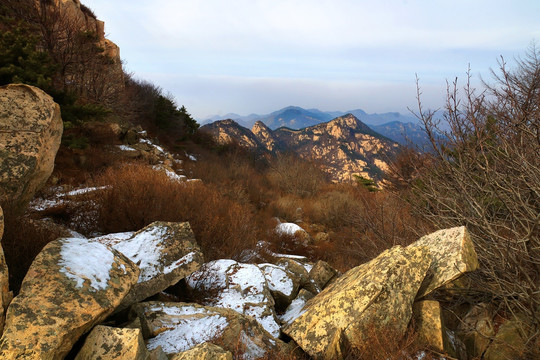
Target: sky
[(257, 56)]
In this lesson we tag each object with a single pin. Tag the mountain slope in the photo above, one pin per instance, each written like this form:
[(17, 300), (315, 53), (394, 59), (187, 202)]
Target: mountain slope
[(344, 146)]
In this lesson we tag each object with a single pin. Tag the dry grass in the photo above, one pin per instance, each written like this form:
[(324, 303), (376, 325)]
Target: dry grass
[(138, 195)]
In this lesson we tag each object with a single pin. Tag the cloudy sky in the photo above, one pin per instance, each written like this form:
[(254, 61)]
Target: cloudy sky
[(256, 56)]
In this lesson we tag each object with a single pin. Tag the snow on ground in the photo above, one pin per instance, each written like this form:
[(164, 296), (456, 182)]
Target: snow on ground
[(83, 260), (83, 191), (126, 148), (170, 174), (240, 287), (157, 147)]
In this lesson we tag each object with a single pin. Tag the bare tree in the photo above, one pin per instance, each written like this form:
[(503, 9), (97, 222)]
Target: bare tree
[(484, 172)]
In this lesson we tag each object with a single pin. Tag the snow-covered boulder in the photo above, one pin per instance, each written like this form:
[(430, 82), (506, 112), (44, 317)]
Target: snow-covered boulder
[(177, 327), (301, 270), (240, 287), (282, 283), (72, 285), (295, 309), (165, 252)]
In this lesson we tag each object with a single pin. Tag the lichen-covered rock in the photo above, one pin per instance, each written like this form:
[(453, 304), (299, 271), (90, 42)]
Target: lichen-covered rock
[(30, 134), (108, 343), (301, 271), (240, 287), (322, 273), (205, 351), (166, 252), (476, 329), (511, 340), (282, 283), (72, 285), (453, 255), (430, 328), (178, 327), (5, 294), (376, 296)]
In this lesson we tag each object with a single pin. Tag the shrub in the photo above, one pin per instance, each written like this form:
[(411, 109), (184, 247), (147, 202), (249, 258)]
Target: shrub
[(138, 195), (485, 174)]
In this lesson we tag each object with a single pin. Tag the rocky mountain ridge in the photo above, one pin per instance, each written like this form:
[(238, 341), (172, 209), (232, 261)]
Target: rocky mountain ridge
[(345, 146)]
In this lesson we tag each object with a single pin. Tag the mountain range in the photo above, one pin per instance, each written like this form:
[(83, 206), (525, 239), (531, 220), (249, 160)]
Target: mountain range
[(344, 146), (393, 125)]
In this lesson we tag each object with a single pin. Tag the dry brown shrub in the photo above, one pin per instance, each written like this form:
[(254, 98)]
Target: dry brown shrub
[(138, 195), (23, 239)]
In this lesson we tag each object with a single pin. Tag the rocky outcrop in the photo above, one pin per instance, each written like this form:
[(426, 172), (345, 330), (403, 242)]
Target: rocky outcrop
[(430, 328), (72, 285), (344, 146), (236, 286), (178, 327), (108, 343), (30, 134), (165, 252), (206, 351), (376, 296), (265, 136), (453, 255)]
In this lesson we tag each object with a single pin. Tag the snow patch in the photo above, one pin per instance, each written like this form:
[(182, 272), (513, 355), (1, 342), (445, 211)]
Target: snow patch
[(186, 259), (277, 279), (144, 249), (84, 191), (126, 148), (113, 239), (185, 334), (251, 350), (288, 229), (83, 261), (294, 311), (157, 147)]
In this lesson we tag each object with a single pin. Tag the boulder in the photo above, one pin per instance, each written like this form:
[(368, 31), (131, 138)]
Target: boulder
[(430, 328), (205, 351), (72, 285), (301, 271), (476, 329), (373, 298), (511, 341), (294, 310), (30, 134), (282, 283), (240, 287), (321, 274), (166, 252), (106, 343), (453, 255), (178, 327)]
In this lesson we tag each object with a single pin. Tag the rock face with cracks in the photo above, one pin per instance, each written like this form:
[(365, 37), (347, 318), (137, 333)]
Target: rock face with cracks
[(108, 343), (372, 297), (30, 134), (206, 351), (166, 252), (178, 327), (72, 285), (453, 255)]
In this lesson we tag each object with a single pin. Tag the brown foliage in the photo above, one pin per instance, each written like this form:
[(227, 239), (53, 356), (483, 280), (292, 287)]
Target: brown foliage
[(485, 174), (138, 195)]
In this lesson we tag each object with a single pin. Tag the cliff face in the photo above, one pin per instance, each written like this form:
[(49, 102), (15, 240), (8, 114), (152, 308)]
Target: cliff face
[(345, 146)]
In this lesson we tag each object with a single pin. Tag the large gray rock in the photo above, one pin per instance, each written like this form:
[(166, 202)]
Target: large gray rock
[(30, 135), (240, 287), (72, 285), (371, 298), (108, 343), (178, 327), (283, 285), (166, 252)]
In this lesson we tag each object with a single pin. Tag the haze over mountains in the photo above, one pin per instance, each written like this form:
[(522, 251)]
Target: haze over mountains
[(393, 125)]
